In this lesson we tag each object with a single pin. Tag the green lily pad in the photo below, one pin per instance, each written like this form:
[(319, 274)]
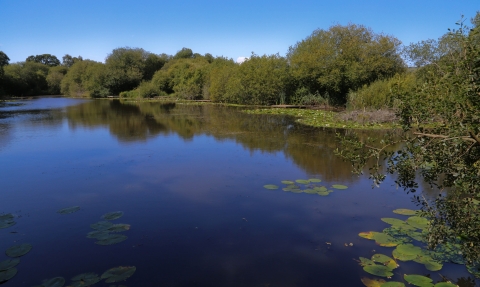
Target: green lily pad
[(54, 282), (339, 186), (7, 223), (417, 236), (393, 284), (113, 215), (418, 280), (85, 279), (445, 284), (402, 256), (7, 216), (289, 182), (18, 250), (365, 261), (380, 238), (120, 227), (320, 188), (372, 282), (409, 249), (393, 221), (404, 211), (69, 210), (98, 234), (270, 186), (303, 181), (378, 270), (9, 263), (310, 191), (433, 265), (101, 225), (7, 274), (112, 239), (315, 180), (118, 274), (474, 269), (385, 260), (418, 222), (323, 193)]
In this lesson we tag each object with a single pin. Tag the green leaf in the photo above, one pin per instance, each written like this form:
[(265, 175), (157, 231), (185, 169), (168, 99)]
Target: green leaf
[(69, 210), (118, 273), (393, 221), (401, 256), (339, 186), (418, 222), (85, 279), (120, 227), (289, 182), (7, 216), (101, 225), (310, 191), (18, 250), (418, 280), (372, 282), (393, 284), (378, 270), (385, 260), (445, 284), (365, 261), (54, 282), (320, 188), (315, 180), (270, 186), (404, 211), (303, 181), (112, 239), (409, 249), (7, 223), (9, 263), (7, 274), (113, 215)]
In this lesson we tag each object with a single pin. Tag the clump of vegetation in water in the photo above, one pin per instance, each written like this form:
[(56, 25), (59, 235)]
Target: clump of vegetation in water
[(104, 231), (308, 186)]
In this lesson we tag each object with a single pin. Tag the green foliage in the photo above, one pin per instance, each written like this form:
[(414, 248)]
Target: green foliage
[(54, 79), (25, 78), (343, 58), (85, 79), (184, 53), (68, 60), (46, 59)]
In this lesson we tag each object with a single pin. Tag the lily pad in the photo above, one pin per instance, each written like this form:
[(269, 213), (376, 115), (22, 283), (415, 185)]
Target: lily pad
[(7, 274), (69, 210), (385, 260), (445, 284), (101, 225), (118, 274), (303, 181), (315, 180), (323, 193), (339, 186), (7, 216), (268, 186), (289, 182), (372, 282), (18, 250), (409, 249), (365, 261), (418, 280), (402, 256), (393, 221), (120, 227), (393, 284), (99, 234), (6, 223), (112, 239), (113, 215), (404, 211), (54, 282), (85, 279), (418, 222), (380, 238), (9, 263), (320, 188), (378, 270), (310, 191)]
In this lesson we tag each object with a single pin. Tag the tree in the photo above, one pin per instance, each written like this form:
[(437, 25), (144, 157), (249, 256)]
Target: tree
[(184, 53), (54, 79), (440, 143), (343, 58), (26, 78), (85, 79), (46, 59), (68, 60)]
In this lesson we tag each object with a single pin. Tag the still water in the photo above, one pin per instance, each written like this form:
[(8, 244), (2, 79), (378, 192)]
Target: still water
[(189, 179)]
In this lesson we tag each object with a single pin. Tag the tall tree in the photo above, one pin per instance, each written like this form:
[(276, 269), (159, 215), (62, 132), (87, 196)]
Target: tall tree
[(46, 59), (68, 60)]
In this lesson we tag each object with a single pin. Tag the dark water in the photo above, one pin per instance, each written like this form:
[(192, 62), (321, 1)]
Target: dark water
[(189, 180)]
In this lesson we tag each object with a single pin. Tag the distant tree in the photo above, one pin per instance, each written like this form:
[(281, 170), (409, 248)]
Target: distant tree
[(209, 57), (154, 63), (4, 59), (26, 78), (54, 79), (68, 60), (85, 79), (46, 59), (184, 53)]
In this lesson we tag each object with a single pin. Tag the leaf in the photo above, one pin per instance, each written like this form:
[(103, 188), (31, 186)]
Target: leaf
[(7, 216), (383, 239), (409, 249), (85, 279), (311, 191), (365, 261), (315, 180), (7, 274), (113, 215), (118, 274), (339, 186), (385, 260), (98, 234), (9, 263), (418, 280), (101, 225), (378, 270), (401, 256), (112, 239), (323, 193), (54, 282), (120, 227), (368, 234), (7, 223), (372, 282), (289, 182), (404, 211), (303, 181), (445, 284), (320, 188), (270, 186), (418, 222), (393, 284), (69, 210), (18, 250)]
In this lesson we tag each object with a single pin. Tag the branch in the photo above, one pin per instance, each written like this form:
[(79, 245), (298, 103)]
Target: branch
[(471, 138)]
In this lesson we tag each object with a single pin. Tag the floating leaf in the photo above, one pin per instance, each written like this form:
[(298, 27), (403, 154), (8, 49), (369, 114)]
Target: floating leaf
[(433, 265), (112, 239), (386, 240), (385, 260), (289, 182), (320, 188), (409, 249), (119, 227), (339, 186), (101, 225), (113, 215), (368, 234), (378, 270), (54, 282), (365, 261), (401, 256), (310, 191), (418, 280), (393, 284), (445, 284), (372, 282), (393, 221), (18, 250), (303, 181), (267, 186), (474, 269), (69, 210), (418, 222), (323, 193), (85, 279), (98, 234), (404, 211), (7, 216), (315, 180), (118, 274), (417, 236), (7, 274), (9, 263), (7, 223)]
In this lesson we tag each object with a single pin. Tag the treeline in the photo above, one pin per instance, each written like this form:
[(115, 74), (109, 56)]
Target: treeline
[(349, 65)]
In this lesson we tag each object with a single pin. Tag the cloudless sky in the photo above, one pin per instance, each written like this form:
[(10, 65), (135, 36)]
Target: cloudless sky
[(93, 28)]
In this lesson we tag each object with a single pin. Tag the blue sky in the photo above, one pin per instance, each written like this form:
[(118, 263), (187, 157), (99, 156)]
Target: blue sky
[(93, 28)]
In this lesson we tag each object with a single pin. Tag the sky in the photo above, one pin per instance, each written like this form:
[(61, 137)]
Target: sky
[(233, 29)]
